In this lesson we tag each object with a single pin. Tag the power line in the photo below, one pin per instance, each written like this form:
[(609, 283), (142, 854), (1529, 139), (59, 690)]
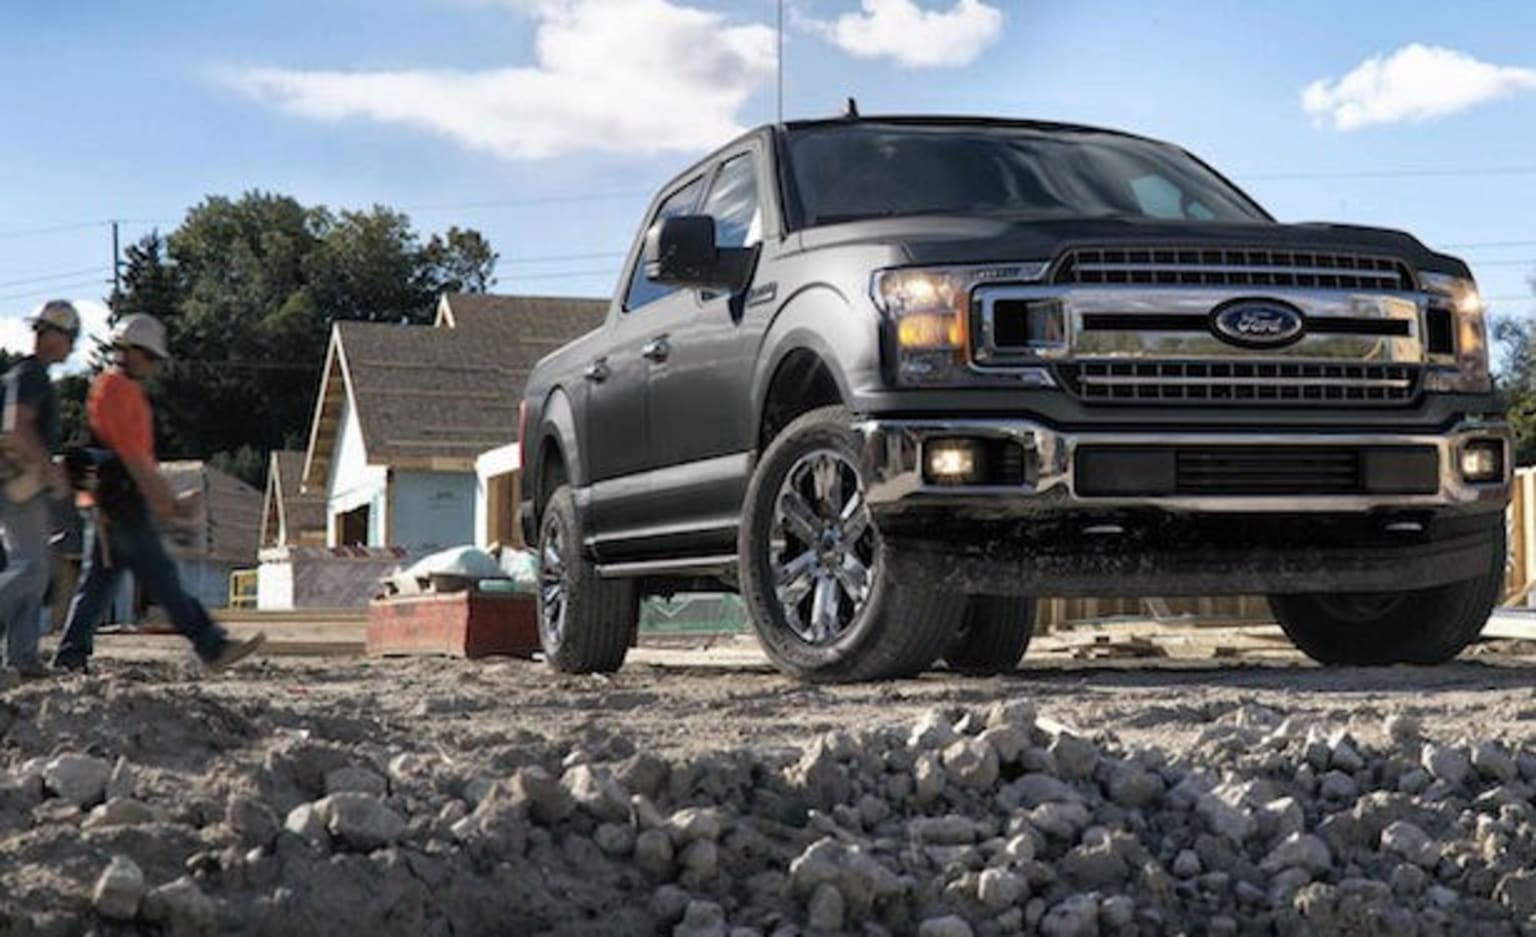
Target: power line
[(50, 276), (29, 294), (1392, 173), (247, 365), (534, 200), (561, 276), (1401, 173), (1481, 245), (28, 232), (557, 258)]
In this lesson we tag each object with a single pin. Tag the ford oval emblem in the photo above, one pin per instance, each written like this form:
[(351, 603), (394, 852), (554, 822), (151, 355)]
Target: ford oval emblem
[(1257, 323)]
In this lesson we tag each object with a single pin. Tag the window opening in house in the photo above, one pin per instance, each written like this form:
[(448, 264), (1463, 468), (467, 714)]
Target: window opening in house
[(352, 527)]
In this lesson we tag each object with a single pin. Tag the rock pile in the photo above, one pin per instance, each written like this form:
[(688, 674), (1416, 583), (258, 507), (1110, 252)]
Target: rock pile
[(982, 821)]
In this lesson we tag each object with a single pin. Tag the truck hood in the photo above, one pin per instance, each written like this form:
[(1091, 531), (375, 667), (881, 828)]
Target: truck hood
[(937, 240)]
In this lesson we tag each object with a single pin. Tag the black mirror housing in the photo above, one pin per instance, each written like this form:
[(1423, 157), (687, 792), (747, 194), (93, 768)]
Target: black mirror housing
[(681, 251)]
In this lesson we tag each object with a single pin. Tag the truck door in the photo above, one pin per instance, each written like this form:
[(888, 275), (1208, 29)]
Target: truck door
[(618, 428), (700, 388)]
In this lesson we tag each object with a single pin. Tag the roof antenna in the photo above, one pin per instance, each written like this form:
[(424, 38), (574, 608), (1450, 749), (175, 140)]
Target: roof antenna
[(779, 60), (851, 109)]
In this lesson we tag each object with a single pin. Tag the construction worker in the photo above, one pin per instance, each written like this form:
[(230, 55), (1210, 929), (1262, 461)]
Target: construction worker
[(30, 428), (129, 502)]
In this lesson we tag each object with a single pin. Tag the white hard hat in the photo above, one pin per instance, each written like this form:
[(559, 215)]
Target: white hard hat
[(57, 314), (141, 331)]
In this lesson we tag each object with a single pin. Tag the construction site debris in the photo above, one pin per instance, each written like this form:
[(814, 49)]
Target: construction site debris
[(707, 802)]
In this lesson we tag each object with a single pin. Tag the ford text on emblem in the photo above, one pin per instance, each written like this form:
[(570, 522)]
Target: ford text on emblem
[(1256, 323)]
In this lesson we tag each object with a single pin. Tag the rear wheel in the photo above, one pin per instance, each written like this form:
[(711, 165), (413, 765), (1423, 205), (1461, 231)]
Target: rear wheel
[(993, 635), (1422, 626), (585, 621), (827, 594)]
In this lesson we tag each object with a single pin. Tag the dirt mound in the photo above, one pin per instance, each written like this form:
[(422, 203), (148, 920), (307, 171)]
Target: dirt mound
[(436, 797)]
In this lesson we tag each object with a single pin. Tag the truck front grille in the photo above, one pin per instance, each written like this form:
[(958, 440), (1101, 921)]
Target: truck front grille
[(1267, 470), (1238, 470), (1207, 266), (1239, 382)]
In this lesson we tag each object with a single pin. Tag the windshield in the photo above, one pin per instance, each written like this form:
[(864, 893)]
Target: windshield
[(845, 173)]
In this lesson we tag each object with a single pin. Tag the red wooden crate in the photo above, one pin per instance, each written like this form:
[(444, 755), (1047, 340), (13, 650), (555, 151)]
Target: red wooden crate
[(459, 624)]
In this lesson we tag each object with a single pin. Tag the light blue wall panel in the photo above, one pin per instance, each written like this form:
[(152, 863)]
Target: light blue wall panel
[(434, 510)]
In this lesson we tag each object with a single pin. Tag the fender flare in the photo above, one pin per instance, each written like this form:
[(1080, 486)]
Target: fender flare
[(557, 422), (818, 319)]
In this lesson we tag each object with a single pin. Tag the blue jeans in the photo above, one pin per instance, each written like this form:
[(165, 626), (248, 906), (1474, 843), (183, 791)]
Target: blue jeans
[(135, 545), (24, 531)]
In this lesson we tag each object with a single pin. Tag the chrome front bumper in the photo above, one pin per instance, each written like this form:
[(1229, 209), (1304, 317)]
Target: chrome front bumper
[(892, 457)]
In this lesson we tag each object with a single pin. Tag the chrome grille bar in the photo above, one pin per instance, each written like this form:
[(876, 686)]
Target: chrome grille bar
[(1243, 382), (1232, 267)]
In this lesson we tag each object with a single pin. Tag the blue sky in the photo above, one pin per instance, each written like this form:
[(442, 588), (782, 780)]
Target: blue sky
[(490, 113)]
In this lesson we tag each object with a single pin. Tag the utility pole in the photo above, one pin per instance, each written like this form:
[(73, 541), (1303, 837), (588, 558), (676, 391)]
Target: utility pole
[(781, 61), (117, 266)]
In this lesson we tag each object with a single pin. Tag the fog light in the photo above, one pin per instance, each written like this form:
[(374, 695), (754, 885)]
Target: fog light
[(1482, 460), (952, 461)]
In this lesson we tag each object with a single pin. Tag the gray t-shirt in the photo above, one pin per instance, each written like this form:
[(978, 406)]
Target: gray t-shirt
[(30, 378)]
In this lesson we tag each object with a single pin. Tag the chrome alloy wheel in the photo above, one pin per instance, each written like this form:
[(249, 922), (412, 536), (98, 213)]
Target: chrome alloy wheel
[(824, 550), (552, 584)]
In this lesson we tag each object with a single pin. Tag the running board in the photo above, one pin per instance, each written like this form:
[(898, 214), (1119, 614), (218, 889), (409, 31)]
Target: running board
[(696, 566)]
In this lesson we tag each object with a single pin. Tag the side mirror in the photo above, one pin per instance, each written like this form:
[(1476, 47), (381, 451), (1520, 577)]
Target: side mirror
[(681, 251)]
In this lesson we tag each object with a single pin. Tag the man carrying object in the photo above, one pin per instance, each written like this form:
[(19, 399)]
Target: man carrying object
[(128, 503)]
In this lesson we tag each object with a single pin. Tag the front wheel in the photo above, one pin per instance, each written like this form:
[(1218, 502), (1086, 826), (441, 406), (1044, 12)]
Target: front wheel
[(1421, 626), (585, 621), (828, 596)]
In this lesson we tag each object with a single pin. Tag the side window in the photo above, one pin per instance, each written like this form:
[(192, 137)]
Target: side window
[(641, 290), (733, 203)]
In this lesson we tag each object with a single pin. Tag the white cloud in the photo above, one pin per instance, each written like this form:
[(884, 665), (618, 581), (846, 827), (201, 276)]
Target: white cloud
[(623, 76), (1417, 82), (911, 35), (16, 333)]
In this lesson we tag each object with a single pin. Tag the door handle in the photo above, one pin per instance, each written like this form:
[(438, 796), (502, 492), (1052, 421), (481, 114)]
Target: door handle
[(657, 349), (597, 372)]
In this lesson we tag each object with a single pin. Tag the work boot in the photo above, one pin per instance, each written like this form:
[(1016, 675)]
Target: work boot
[(34, 671), (65, 667), (235, 651)]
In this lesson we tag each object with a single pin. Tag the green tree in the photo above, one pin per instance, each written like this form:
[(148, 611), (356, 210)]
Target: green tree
[(1516, 338), (459, 262), (150, 284), (71, 390), (248, 289)]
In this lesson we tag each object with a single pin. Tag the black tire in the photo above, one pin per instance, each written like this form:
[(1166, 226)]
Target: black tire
[(900, 628), (993, 635), (1423, 626), (592, 633)]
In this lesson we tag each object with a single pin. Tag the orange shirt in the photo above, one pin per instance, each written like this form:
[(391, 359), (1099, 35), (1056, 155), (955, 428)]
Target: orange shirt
[(120, 417)]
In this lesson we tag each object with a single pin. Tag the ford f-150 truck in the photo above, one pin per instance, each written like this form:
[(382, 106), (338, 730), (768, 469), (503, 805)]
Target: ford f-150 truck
[(892, 378)]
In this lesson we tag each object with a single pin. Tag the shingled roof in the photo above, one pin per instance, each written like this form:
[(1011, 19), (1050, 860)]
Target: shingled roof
[(431, 399), (289, 516)]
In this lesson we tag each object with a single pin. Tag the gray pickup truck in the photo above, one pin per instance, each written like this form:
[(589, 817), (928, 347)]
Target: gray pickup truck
[(891, 378)]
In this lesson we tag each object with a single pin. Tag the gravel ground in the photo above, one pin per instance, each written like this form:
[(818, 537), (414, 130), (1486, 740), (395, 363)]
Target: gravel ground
[(703, 794)]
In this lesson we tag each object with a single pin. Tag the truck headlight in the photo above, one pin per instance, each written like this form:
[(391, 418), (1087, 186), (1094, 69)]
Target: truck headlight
[(1459, 296), (930, 312)]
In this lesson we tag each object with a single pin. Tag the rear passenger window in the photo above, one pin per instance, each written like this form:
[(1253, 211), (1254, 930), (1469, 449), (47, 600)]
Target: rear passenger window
[(733, 203), (642, 291)]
